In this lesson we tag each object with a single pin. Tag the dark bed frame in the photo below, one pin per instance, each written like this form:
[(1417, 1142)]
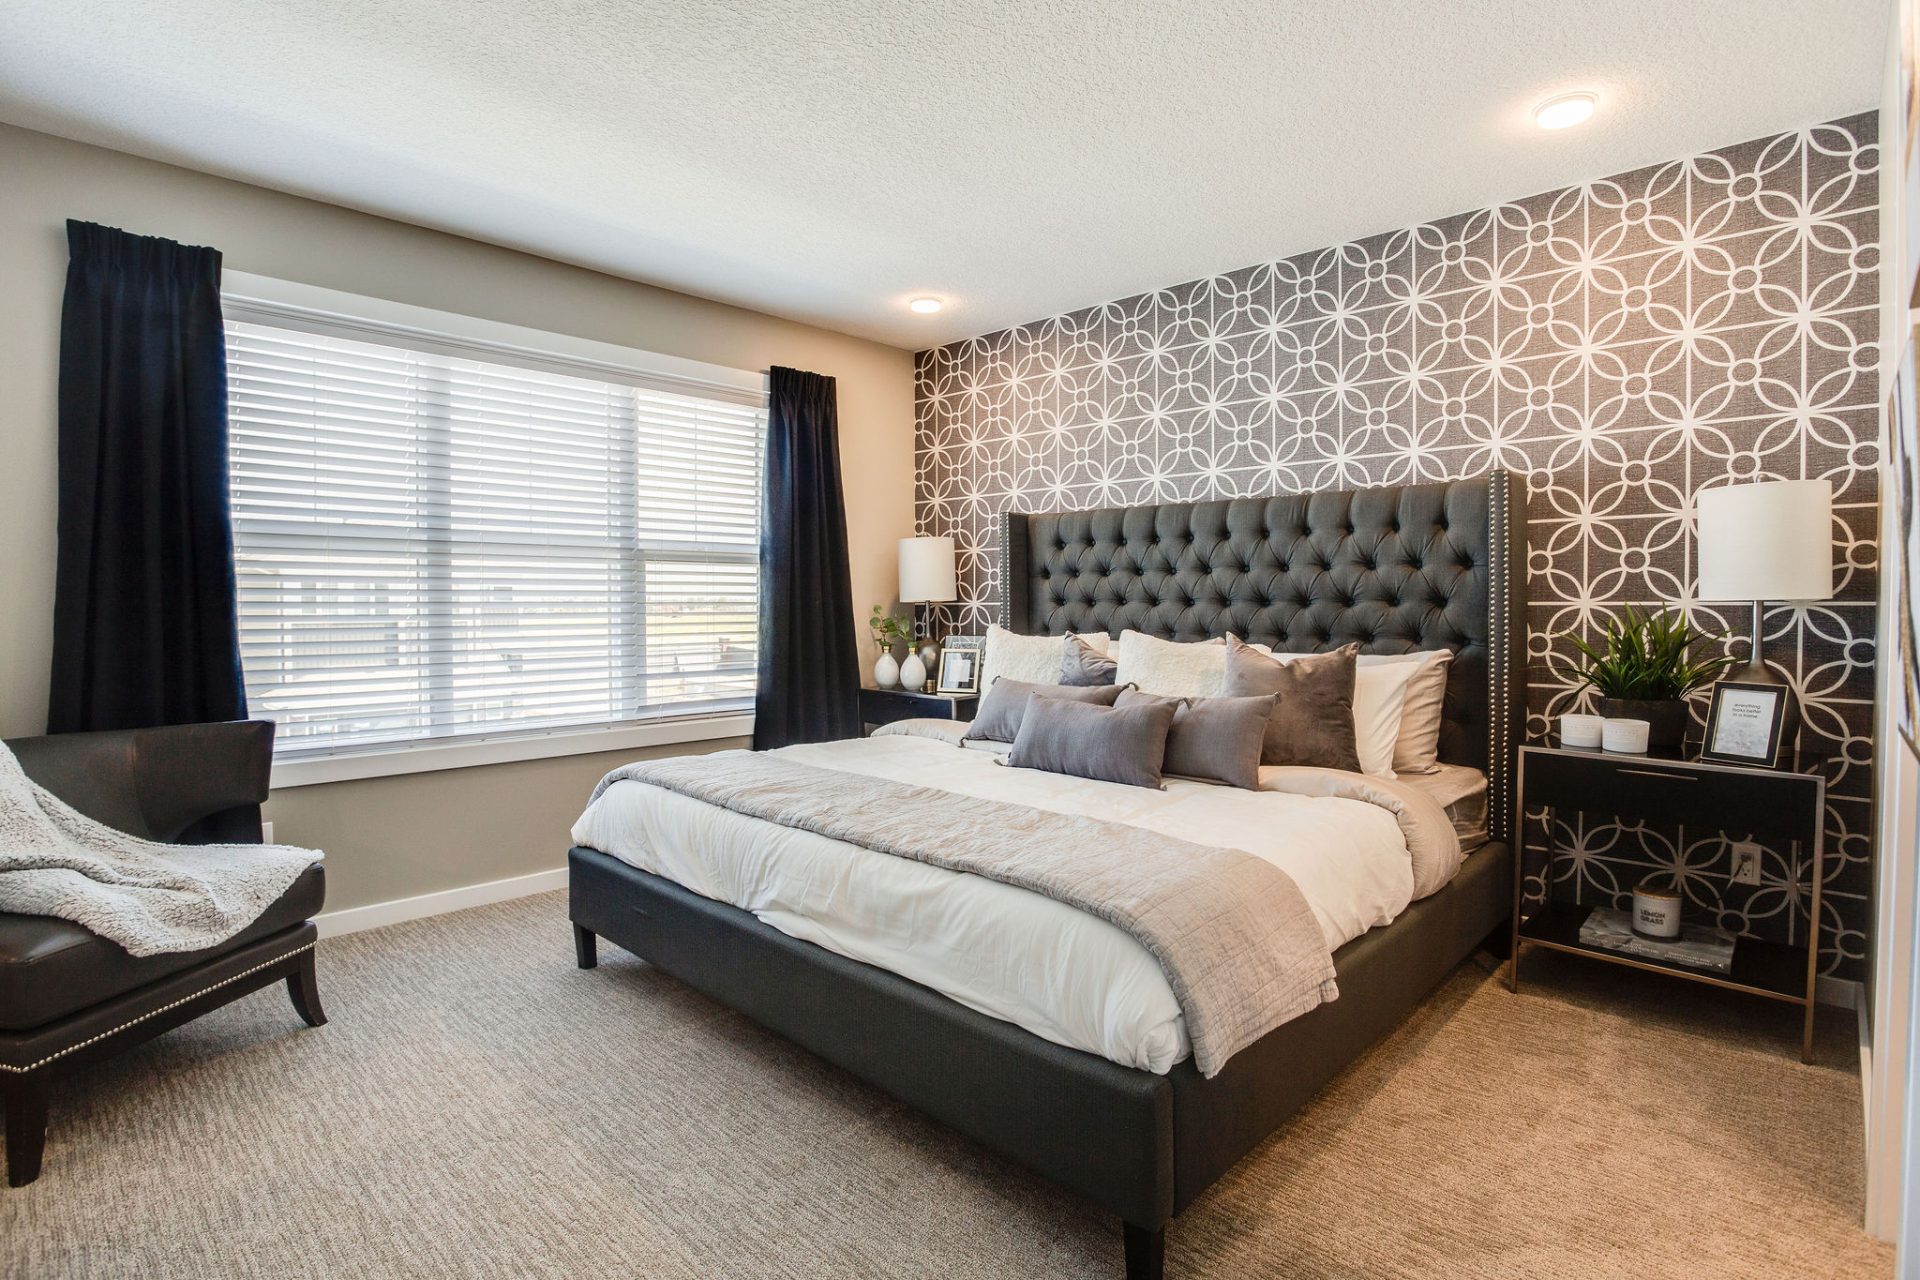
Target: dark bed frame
[(1395, 569)]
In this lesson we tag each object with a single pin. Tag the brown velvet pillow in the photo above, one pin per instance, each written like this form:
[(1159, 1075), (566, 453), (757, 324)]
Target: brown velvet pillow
[(1312, 721)]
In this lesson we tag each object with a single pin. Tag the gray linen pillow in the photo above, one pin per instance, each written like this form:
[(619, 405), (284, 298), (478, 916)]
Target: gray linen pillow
[(1312, 721), (1213, 739), (1082, 665), (998, 719), (1087, 740)]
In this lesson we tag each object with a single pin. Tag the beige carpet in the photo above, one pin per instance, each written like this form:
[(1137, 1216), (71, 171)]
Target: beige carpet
[(479, 1107)]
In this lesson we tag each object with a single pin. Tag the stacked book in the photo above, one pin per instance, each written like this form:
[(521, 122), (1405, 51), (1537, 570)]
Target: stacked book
[(1699, 946)]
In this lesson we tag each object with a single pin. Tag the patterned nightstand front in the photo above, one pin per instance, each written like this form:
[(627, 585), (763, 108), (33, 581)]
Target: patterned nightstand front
[(1771, 808)]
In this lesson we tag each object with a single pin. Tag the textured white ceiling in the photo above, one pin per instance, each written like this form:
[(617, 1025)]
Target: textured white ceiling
[(829, 160)]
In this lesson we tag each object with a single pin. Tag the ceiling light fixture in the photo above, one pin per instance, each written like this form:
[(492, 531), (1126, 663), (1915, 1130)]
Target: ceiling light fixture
[(1564, 112), (925, 306)]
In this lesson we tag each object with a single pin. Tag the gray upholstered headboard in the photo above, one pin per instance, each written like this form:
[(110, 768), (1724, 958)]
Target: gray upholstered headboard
[(1430, 566)]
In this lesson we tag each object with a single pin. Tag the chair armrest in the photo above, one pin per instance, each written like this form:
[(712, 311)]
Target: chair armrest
[(187, 784)]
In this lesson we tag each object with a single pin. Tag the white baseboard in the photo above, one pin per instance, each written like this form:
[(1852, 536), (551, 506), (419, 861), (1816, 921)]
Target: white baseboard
[(1840, 993), (373, 916)]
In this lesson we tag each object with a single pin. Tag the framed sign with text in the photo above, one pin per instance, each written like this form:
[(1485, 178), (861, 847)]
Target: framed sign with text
[(1747, 723)]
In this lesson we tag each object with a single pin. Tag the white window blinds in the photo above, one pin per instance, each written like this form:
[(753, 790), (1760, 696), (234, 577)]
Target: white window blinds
[(434, 549)]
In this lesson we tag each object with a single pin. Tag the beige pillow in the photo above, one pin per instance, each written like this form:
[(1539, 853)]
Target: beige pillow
[(1172, 669), (1029, 659), (1417, 748)]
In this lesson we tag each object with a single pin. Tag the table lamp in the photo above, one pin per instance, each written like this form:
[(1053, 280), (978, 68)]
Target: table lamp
[(927, 576), (1767, 541)]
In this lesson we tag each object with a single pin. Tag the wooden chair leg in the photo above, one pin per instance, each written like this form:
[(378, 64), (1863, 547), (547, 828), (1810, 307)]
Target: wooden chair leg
[(586, 951), (1146, 1251), (25, 1099), (303, 985)]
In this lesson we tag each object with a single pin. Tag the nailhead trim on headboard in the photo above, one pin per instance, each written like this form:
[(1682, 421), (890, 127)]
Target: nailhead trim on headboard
[(1502, 631)]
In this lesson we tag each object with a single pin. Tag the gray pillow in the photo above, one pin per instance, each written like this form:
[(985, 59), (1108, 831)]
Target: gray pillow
[(1213, 739), (998, 718), (1087, 740), (1312, 720), (1081, 664)]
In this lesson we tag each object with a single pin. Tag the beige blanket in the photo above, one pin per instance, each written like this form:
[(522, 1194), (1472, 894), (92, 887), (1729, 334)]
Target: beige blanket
[(1236, 939)]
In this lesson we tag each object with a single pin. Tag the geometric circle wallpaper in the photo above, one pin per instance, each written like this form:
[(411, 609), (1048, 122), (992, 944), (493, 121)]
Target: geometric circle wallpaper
[(1620, 344)]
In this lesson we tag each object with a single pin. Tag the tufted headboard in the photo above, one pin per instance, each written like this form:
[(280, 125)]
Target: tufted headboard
[(1429, 566)]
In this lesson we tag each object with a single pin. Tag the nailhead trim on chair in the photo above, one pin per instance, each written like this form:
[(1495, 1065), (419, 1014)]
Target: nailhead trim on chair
[(154, 1013)]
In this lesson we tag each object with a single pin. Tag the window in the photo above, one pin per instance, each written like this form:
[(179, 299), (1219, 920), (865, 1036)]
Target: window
[(439, 542)]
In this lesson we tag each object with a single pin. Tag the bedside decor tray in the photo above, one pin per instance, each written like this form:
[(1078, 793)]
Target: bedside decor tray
[(1698, 947)]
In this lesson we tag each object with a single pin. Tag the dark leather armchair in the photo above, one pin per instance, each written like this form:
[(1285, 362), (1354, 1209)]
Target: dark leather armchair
[(68, 996)]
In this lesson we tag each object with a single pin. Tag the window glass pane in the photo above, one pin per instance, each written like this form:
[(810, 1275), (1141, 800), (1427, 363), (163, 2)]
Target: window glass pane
[(431, 547)]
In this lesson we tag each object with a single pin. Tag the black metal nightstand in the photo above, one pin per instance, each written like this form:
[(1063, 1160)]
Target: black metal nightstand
[(884, 706), (1743, 803)]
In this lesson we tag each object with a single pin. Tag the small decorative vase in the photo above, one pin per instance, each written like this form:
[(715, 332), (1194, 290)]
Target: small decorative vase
[(1666, 720), (886, 672), (913, 673)]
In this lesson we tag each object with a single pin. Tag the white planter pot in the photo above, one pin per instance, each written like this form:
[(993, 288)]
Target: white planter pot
[(886, 672), (913, 673)]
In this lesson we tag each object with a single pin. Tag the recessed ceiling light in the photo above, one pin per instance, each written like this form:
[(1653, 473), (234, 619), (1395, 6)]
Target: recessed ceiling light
[(925, 306), (1564, 112)]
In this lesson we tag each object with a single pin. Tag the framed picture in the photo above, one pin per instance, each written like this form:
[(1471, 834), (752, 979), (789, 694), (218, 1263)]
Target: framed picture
[(959, 670), (1747, 723)]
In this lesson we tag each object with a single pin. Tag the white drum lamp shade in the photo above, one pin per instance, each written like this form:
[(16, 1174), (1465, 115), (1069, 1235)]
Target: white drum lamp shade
[(1769, 541), (1766, 541), (927, 571)]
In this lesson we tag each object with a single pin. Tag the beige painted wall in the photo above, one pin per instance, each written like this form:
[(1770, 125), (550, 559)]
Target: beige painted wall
[(391, 837)]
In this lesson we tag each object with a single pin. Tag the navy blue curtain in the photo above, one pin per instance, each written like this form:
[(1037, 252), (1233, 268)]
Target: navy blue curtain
[(143, 613), (809, 668)]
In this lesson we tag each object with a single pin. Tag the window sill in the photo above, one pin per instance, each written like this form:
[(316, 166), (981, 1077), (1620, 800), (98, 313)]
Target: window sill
[(466, 755)]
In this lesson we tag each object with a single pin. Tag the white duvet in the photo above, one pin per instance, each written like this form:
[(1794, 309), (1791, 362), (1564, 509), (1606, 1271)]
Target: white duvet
[(1062, 974)]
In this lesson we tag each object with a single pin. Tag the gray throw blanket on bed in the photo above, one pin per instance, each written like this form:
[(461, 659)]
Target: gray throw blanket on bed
[(148, 897), (1233, 933)]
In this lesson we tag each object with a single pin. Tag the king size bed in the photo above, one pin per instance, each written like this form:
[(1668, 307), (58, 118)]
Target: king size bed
[(1061, 1031)]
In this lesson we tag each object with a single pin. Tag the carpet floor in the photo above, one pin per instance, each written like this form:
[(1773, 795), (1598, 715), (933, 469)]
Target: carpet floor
[(479, 1107)]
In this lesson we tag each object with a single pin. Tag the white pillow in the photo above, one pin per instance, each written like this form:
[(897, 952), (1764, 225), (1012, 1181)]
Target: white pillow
[(1034, 659), (1172, 669), (1379, 695), (1422, 705)]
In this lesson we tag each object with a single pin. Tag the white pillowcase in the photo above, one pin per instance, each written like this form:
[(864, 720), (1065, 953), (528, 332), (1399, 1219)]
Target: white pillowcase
[(1422, 710), (1170, 668), (1034, 659), (1379, 699)]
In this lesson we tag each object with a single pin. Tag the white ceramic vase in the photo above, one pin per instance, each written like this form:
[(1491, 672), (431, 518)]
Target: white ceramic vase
[(886, 672), (913, 673)]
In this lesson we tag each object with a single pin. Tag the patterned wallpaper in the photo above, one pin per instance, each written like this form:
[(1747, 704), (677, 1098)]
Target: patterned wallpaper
[(1621, 344)]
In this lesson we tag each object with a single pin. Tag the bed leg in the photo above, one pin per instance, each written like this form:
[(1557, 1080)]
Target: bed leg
[(1146, 1251), (585, 949)]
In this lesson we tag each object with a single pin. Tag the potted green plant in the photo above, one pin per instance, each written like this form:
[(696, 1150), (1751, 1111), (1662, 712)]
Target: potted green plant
[(887, 631), (1645, 666)]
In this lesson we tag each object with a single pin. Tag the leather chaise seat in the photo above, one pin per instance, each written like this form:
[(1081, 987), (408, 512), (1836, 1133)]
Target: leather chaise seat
[(50, 967)]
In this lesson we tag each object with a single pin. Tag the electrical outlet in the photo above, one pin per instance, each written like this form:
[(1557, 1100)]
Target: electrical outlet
[(266, 833), (1746, 862)]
